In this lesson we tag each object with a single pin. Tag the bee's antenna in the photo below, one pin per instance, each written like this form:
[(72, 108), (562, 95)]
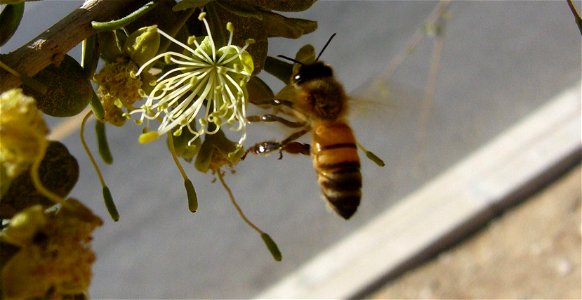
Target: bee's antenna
[(290, 59), (328, 41)]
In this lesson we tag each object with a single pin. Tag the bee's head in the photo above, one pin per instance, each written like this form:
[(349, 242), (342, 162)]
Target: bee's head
[(307, 72), (316, 70)]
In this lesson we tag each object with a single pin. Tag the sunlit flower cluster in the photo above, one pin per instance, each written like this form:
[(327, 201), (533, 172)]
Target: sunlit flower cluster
[(54, 256), (22, 135), (203, 91), (117, 90)]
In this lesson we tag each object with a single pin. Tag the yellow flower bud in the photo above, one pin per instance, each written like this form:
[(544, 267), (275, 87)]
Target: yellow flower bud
[(24, 226)]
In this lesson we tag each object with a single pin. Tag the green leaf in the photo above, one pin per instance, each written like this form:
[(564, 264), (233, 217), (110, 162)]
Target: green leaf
[(68, 92), (244, 28), (187, 4), (281, 26), (109, 46), (306, 54), (280, 5), (241, 9), (283, 69), (9, 20), (259, 92), (278, 68)]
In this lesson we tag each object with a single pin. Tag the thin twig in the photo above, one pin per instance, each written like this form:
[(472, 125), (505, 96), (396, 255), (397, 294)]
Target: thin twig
[(429, 93), (437, 13), (175, 157), (576, 14), (236, 206), (88, 151), (35, 170)]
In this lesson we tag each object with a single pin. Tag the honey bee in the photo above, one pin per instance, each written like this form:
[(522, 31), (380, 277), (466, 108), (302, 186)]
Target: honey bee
[(321, 105)]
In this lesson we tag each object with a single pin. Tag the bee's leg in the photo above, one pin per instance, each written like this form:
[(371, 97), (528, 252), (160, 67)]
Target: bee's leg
[(275, 118), (289, 104), (265, 147), (277, 102), (287, 145), (295, 148)]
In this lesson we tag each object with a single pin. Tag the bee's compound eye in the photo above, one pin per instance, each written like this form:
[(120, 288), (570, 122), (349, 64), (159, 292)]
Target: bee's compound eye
[(297, 78)]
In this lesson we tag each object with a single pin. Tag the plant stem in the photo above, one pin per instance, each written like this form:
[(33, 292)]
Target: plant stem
[(236, 206)]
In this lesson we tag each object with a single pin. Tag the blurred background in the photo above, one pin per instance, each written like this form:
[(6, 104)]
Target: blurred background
[(500, 62)]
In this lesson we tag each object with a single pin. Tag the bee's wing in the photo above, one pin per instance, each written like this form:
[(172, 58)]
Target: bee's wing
[(379, 107), (376, 113)]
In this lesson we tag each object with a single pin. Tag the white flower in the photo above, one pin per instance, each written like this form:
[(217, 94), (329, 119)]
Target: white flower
[(206, 84)]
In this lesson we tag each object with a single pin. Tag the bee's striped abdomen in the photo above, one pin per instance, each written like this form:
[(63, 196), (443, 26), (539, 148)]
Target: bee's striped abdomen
[(336, 161)]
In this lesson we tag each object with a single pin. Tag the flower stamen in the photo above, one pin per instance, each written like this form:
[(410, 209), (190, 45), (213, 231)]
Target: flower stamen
[(202, 76)]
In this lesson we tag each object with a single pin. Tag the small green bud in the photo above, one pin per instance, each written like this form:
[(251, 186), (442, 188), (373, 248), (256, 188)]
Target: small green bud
[(272, 246), (143, 44), (373, 157), (191, 40), (110, 204), (191, 193)]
